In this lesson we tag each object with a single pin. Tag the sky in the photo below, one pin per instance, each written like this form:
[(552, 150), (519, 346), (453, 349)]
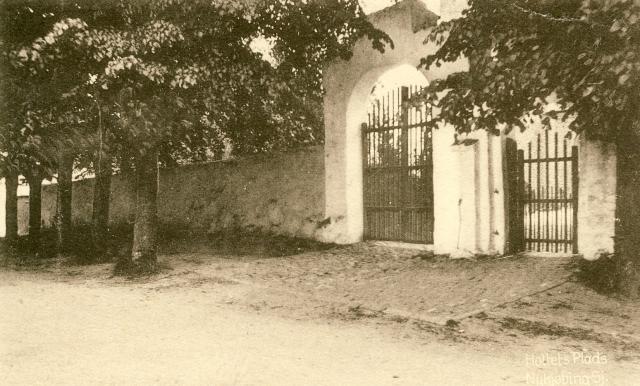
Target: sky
[(370, 6), (446, 9)]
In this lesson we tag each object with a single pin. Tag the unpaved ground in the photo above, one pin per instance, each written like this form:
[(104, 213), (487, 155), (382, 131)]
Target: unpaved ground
[(223, 319), (417, 285), (75, 333)]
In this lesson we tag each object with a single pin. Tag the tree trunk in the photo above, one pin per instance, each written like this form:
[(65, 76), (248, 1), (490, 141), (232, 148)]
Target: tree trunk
[(11, 209), (143, 254), (101, 197), (63, 212), (35, 211), (627, 245)]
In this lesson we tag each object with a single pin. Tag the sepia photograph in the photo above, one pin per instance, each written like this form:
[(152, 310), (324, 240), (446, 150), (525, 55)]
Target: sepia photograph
[(319, 192)]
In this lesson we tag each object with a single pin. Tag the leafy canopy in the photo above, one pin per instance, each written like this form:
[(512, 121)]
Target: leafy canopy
[(584, 55), (177, 76)]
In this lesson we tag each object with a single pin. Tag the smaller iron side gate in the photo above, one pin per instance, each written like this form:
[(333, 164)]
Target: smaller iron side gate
[(543, 203), (398, 170)]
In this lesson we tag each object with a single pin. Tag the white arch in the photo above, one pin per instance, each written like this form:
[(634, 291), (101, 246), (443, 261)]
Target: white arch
[(388, 77)]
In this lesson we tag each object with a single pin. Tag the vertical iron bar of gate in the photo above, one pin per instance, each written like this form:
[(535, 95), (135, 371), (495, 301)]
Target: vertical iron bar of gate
[(574, 191), (547, 206), (530, 203), (379, 172), (404, 156), (538, 195), (521, 243), (375, 172), (555, 191), (428, 146), (565, 196), (365, 163), (384, 151)]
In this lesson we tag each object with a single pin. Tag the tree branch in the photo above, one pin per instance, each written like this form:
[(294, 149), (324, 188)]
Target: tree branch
[(555, 18)]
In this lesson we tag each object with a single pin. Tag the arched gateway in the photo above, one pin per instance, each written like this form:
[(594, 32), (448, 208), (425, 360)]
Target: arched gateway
[(390, 177), (397, 168), (367, 198)]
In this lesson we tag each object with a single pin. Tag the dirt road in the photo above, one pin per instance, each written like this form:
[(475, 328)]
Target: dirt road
[(88, 332)]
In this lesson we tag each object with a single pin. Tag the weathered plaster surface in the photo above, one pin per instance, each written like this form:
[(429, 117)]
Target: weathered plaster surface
[(2, 207), (596, 198), (471, 195), (281, 193)]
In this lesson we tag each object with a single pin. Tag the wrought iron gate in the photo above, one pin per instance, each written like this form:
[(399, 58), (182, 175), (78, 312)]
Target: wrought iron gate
[(543, 208), (398, 170)]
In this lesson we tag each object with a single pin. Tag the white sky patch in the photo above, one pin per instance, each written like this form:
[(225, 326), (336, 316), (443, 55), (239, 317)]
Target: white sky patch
[(369, 6), (446, 9), (264, 47), (404, 75)]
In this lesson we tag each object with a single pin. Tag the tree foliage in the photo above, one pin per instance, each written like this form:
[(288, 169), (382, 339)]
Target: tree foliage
[(584, 55), (181, 74), (37, 74)]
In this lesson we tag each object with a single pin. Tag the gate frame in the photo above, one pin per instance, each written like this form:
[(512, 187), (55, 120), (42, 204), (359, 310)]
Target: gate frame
[(515, 201), (405, 168)]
